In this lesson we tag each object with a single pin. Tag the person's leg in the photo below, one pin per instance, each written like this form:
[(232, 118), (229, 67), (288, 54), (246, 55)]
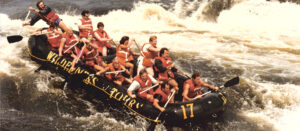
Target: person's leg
[(104, 51), (150, 98), (63, 26), (174, 84), (73, 62), (130, 65), (150, 71), (118, 82)]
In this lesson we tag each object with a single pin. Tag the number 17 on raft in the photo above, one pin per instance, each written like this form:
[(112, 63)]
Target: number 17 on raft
[(184, 110)]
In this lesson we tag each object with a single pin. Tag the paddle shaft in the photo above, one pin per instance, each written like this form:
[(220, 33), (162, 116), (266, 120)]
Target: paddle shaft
[(137, 46), (170, 97), (81, 52), (112, 72), (148, 88), (70, 47), (201, 95), (25, 21)]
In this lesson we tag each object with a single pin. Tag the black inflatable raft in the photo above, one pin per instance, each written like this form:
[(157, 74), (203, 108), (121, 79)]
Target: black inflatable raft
[(178, 114)]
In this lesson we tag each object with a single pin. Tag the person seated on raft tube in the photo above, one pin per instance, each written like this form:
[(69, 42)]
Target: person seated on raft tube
[(161, 96), (54, 35), (148, 52), (192, 87), (102, 39), (140, 83), (44, 12), (124, 53), (92, 58), (164, 68), (117, 77), (68, 40), (85, 25)]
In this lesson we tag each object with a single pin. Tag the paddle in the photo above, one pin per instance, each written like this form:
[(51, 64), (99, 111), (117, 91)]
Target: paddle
[(232, 82), (137, 46), (80, 53), (153, 124), (148, 88), (201, 95), (70, 47), (16, 38), (113, 72)]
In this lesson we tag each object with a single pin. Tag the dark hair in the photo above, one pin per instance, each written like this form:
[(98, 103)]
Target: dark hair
[(152, 38), (162, 50), (142, 71), (123, 39), (195, 75), (37, 4), (163, 85), (100, 24), (84, 12), (53, 25)]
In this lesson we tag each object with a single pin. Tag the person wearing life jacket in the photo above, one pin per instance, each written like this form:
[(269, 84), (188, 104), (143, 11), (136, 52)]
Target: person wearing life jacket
[(192, 88), (164, 68), (116, 77), (124, 53), (102, 39), (161, 96), (85, 25), (54, 36), (92, 58), (45, 12), (148, 52), (140, 83), (68, 40)]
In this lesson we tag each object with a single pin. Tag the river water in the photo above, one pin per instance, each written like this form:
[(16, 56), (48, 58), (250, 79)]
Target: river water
[(254, 39)]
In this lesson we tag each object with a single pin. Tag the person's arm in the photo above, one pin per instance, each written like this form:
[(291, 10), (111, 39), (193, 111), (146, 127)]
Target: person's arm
[(154, 81), (134, 86), (100, 39), (123, 68), (33, 20), (208, 85), (58, 31), (61, 46), (153, 49), (157, 98), (159, 66), (93, 45), (186, 91), (105, 70)]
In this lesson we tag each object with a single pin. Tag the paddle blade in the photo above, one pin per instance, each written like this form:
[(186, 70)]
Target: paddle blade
[(232, 82), (14, 38)]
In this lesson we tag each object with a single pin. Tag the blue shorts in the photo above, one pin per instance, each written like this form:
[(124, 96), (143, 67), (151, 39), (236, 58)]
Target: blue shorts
[(58, 20)]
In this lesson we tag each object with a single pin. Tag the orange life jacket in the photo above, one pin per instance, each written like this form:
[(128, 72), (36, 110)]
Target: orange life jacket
[(123, 55), (164, 76), (192, 92), (144, 85), (50, 17), (91, 57), (86, 32), (148, 56), (54, 38), (101, 35), (69, 41), (114, 76), (163, 94)]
